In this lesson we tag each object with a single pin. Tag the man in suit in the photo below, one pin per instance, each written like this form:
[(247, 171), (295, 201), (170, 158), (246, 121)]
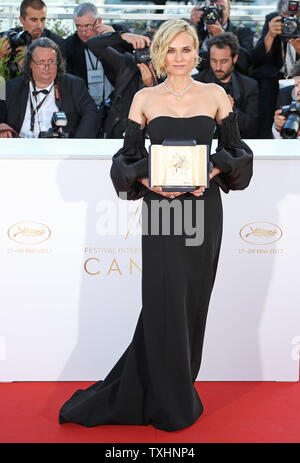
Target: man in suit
[(126, 75), (242, 91), (81, 61), (33, 19), (273, 59), (205, 31), (42, 90), (285, 97)]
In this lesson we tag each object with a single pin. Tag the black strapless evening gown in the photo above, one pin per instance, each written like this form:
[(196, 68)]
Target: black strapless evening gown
[(153, 381)]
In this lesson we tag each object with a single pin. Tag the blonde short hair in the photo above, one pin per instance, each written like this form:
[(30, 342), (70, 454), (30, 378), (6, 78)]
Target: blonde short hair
[(162, 38)]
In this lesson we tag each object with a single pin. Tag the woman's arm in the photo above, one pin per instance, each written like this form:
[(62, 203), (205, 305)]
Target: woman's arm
[(233, 157), (137, 108), (222, 103)]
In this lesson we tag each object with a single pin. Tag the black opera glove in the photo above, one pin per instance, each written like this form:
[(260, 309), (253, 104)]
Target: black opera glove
[(233, 157), (130, 163)]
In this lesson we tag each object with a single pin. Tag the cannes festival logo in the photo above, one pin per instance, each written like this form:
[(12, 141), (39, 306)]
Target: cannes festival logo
[(261, 233), (29, 233)]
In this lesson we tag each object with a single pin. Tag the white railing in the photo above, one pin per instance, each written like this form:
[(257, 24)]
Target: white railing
[(139, 12)]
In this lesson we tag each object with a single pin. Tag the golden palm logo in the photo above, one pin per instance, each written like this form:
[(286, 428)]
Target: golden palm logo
[(261, 233), (179, 162), (29, 233)]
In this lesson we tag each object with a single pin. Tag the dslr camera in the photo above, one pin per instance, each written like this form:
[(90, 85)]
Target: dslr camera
[(291, 23), (16, 39), (58, 122), (211, 13), (292, 123), (142, 55)]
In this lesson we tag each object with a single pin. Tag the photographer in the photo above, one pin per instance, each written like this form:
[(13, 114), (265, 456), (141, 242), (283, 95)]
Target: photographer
[(128, 73), (274, 56), (80, 61), (286, 100), (14, 41), (43, 92), (213, 18), (242, 91)]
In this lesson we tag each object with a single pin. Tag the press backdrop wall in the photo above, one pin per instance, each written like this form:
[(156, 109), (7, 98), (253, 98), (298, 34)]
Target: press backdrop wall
[(70, 266)]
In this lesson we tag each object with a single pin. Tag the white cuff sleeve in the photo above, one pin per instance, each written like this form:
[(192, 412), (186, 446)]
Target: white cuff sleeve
[(275, 132)]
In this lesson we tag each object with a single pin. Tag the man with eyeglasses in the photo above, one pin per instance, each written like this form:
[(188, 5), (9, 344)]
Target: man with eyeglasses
[(33, 15), (80, 61), (43, 89)]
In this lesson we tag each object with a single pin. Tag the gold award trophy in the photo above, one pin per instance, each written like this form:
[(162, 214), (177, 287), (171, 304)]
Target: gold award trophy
[(178, 165)]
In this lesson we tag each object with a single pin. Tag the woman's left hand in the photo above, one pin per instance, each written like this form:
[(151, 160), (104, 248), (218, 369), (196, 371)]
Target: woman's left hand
[(214, 172), (199, 191)]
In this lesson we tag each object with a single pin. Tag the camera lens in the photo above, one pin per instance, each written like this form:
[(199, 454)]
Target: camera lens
[(291, 127), (289, 27)]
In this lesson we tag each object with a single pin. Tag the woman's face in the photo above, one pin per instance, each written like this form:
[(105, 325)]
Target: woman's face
[(181, 55)]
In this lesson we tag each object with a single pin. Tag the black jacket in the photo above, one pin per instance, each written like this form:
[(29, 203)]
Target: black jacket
[(80, 109), (124, 75), (74, 52), (268, 65), (246, 97), (245, 37)]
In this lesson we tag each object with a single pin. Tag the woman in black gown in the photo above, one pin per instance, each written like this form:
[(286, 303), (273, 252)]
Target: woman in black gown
[(153, 381)]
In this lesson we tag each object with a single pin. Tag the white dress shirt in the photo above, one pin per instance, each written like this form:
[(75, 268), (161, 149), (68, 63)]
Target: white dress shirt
[(42, 120)]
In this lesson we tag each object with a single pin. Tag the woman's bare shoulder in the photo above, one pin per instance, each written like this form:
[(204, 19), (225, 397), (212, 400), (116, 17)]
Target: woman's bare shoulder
[(218, 98), (147, 92), (140, 103), (214, 89)]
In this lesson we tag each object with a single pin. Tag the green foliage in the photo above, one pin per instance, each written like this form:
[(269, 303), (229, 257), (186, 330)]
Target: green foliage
[(4, 71), (4, 67), (60, 27)]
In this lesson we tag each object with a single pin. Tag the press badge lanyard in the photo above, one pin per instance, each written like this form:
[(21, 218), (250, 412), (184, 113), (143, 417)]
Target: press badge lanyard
[(98, 80), (287, 55), (91, 61), (35, 110)]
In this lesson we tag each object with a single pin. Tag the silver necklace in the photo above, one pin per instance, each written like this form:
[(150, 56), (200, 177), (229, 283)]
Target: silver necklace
[(178, 95)]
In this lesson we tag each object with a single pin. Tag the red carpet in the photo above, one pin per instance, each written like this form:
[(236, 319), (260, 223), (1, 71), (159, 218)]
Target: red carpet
[(237, 412)]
